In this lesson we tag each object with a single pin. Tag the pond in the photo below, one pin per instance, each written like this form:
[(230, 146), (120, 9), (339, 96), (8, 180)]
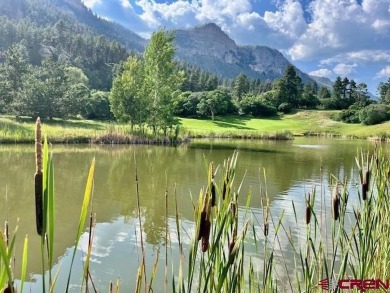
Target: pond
[(291, 168)]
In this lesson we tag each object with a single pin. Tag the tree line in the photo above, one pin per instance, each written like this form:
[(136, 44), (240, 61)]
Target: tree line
[(152, 89)]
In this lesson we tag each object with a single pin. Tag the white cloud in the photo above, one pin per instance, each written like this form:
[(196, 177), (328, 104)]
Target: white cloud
[(179, 13), (323, 72), (385, 72), (92, 3), (126, 3), (339, 26), (362, 57), (289, 21), (344, 69)]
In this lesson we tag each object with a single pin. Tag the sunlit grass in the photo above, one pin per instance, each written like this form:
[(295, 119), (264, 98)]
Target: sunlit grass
[(301, 123)]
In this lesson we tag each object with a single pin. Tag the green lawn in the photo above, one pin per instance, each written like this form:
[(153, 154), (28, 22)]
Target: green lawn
[(300, 123)]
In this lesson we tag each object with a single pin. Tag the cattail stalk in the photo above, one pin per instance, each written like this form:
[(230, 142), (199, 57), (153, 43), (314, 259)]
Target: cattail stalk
[(226, 181), (266, 222), (38, 178)]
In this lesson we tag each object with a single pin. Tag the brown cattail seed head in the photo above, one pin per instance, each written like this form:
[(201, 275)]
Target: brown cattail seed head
[(336, 204), (38, 146), (266, 229), (9, 289), (206, 235), (224, 190), (202, 224), (364, 190), (367, 177), (233, 208), (213, 194), (308, 211)]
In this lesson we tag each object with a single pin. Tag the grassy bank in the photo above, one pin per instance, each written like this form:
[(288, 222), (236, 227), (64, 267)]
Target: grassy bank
[(14, 130), (85, 131), (300, 123)]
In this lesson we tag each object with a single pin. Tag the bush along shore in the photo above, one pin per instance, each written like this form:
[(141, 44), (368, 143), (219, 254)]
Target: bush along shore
[(346, 242)]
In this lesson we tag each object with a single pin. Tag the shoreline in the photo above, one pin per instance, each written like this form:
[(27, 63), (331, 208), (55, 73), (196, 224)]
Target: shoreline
[(122, 139)]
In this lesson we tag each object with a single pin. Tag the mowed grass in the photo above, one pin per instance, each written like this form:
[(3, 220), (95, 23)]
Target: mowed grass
[(299, 123), (21, 130)]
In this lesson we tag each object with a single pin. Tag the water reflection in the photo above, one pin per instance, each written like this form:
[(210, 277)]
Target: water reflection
[(292, 168)]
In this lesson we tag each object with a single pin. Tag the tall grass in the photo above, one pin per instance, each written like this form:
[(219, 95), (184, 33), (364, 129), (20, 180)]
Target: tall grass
[(346, 240)]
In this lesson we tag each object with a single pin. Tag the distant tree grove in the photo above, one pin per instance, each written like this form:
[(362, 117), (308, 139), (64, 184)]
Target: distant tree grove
[(59, 73)]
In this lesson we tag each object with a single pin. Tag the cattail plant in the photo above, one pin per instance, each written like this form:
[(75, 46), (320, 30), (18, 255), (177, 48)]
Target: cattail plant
[(226, 180), (202, 222), (364, 190), (212, 185), (266, 220), (38, 177), (205, 224), (213, 193), (336, 203), (308, 210)]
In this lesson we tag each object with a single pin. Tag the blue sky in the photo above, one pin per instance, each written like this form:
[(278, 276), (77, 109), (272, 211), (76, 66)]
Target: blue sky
[(321, 37)]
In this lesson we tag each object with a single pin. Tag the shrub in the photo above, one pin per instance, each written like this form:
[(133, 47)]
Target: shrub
[(350, 115), (97, 106), (256, 106), (374, 114), (285, 108)]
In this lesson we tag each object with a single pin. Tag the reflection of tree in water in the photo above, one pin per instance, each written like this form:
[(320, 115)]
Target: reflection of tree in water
[(154, 227), (155, 167)]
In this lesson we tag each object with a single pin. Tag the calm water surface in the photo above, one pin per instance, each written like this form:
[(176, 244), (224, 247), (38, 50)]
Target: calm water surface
[(292, 169)]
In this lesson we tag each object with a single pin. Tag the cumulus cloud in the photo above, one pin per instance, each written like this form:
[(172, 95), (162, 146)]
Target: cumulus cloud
[(344, 69), (289, 20), (385, 72), (338, 26), (323, 72)]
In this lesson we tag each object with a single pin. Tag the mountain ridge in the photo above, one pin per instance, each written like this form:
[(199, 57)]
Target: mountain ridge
[(209, 47), (206, 46)]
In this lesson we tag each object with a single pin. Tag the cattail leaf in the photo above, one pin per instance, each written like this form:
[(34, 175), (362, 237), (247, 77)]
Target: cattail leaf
[(45, 200), (83, 215), (24, 263), (5, 255), (50, 209), (54, 281), (89, 250)]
